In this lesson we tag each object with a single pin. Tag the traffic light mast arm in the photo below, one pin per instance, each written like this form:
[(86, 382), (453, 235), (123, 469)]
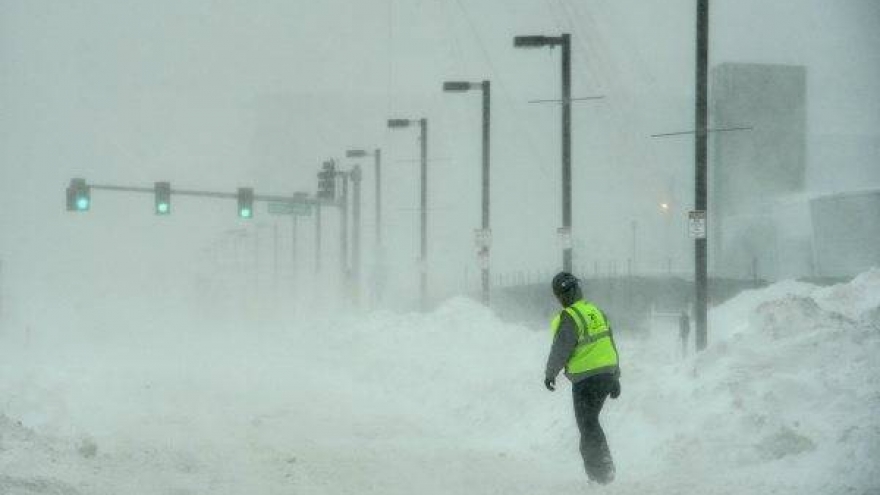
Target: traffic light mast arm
[(206, 194), (122, 188)]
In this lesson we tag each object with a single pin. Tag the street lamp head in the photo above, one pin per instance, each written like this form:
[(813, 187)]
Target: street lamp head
[(356, 153), (398, 123), (531, 41), (457, 86)]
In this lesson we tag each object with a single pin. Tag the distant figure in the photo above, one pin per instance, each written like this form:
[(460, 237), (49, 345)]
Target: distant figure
[(584, 346), (684, 330)]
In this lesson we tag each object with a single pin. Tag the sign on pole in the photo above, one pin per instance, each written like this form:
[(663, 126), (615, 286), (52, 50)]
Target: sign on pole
[(283, 208), (482, 238), (697, 224), (563, 235), (483, 258)]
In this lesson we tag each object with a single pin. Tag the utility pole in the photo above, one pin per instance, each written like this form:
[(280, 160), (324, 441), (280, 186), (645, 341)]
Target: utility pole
[(566, 147), (487, 108), (701, 135), (700, 173)]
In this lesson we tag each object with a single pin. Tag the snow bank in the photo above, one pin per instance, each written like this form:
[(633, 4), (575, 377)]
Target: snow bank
[(784, 400)]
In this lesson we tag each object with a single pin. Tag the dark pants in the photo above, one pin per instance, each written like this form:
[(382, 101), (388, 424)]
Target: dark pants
[(589, 396)]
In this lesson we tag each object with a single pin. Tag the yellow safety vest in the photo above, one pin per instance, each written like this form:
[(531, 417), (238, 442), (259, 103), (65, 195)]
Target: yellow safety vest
[(595, 352)]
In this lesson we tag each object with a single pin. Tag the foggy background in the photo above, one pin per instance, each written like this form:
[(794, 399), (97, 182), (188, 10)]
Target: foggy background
[(200, 352), (217, 95)]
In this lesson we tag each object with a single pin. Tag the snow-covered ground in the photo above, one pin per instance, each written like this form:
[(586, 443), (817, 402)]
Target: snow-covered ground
[(785, 400)]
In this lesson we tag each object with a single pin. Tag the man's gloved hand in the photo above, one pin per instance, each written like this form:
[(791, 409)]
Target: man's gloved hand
[(615, 389), (550, 383)]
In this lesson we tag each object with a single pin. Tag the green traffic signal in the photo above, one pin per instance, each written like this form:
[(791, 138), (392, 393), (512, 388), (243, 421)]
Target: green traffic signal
[(78, 195), (163, 198), (245, 202)]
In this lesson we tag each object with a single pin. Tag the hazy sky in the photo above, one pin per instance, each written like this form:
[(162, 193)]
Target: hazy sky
[(222, 94)]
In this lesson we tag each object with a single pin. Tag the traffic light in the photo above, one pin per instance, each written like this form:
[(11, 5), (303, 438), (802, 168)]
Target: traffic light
[(163, 198), (327, 181), (78, 195), (245, 202)]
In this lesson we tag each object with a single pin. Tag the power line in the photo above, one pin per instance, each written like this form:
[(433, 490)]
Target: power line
[(505, 94)]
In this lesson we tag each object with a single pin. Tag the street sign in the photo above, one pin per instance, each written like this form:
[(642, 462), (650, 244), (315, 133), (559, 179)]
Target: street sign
[(482, 238), (483, 258), (282, 208), (563, 235), (697, 224)]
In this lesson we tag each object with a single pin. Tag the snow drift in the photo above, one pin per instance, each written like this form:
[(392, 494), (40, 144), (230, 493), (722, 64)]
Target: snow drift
[(784, 400)]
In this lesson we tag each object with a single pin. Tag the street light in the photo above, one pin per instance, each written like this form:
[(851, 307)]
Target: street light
[(377, 157), (565, 42), (378, 254), (355, 175), (485, 236), (535, 41), (398, 123), (423, 261)]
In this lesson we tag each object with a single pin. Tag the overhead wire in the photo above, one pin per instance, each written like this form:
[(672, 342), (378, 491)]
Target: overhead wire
[(587, 40), (498, 81)]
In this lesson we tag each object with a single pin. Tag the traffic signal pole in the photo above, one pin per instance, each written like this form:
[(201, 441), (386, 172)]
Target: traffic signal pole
[(343, 230), (318, 237), (204, 194), (293, 229)]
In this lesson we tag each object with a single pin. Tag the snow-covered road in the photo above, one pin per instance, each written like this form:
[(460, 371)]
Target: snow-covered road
[(784, 401)]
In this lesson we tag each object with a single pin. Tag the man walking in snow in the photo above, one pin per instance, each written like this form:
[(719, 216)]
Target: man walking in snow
[(684, 329), (584, 346)]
